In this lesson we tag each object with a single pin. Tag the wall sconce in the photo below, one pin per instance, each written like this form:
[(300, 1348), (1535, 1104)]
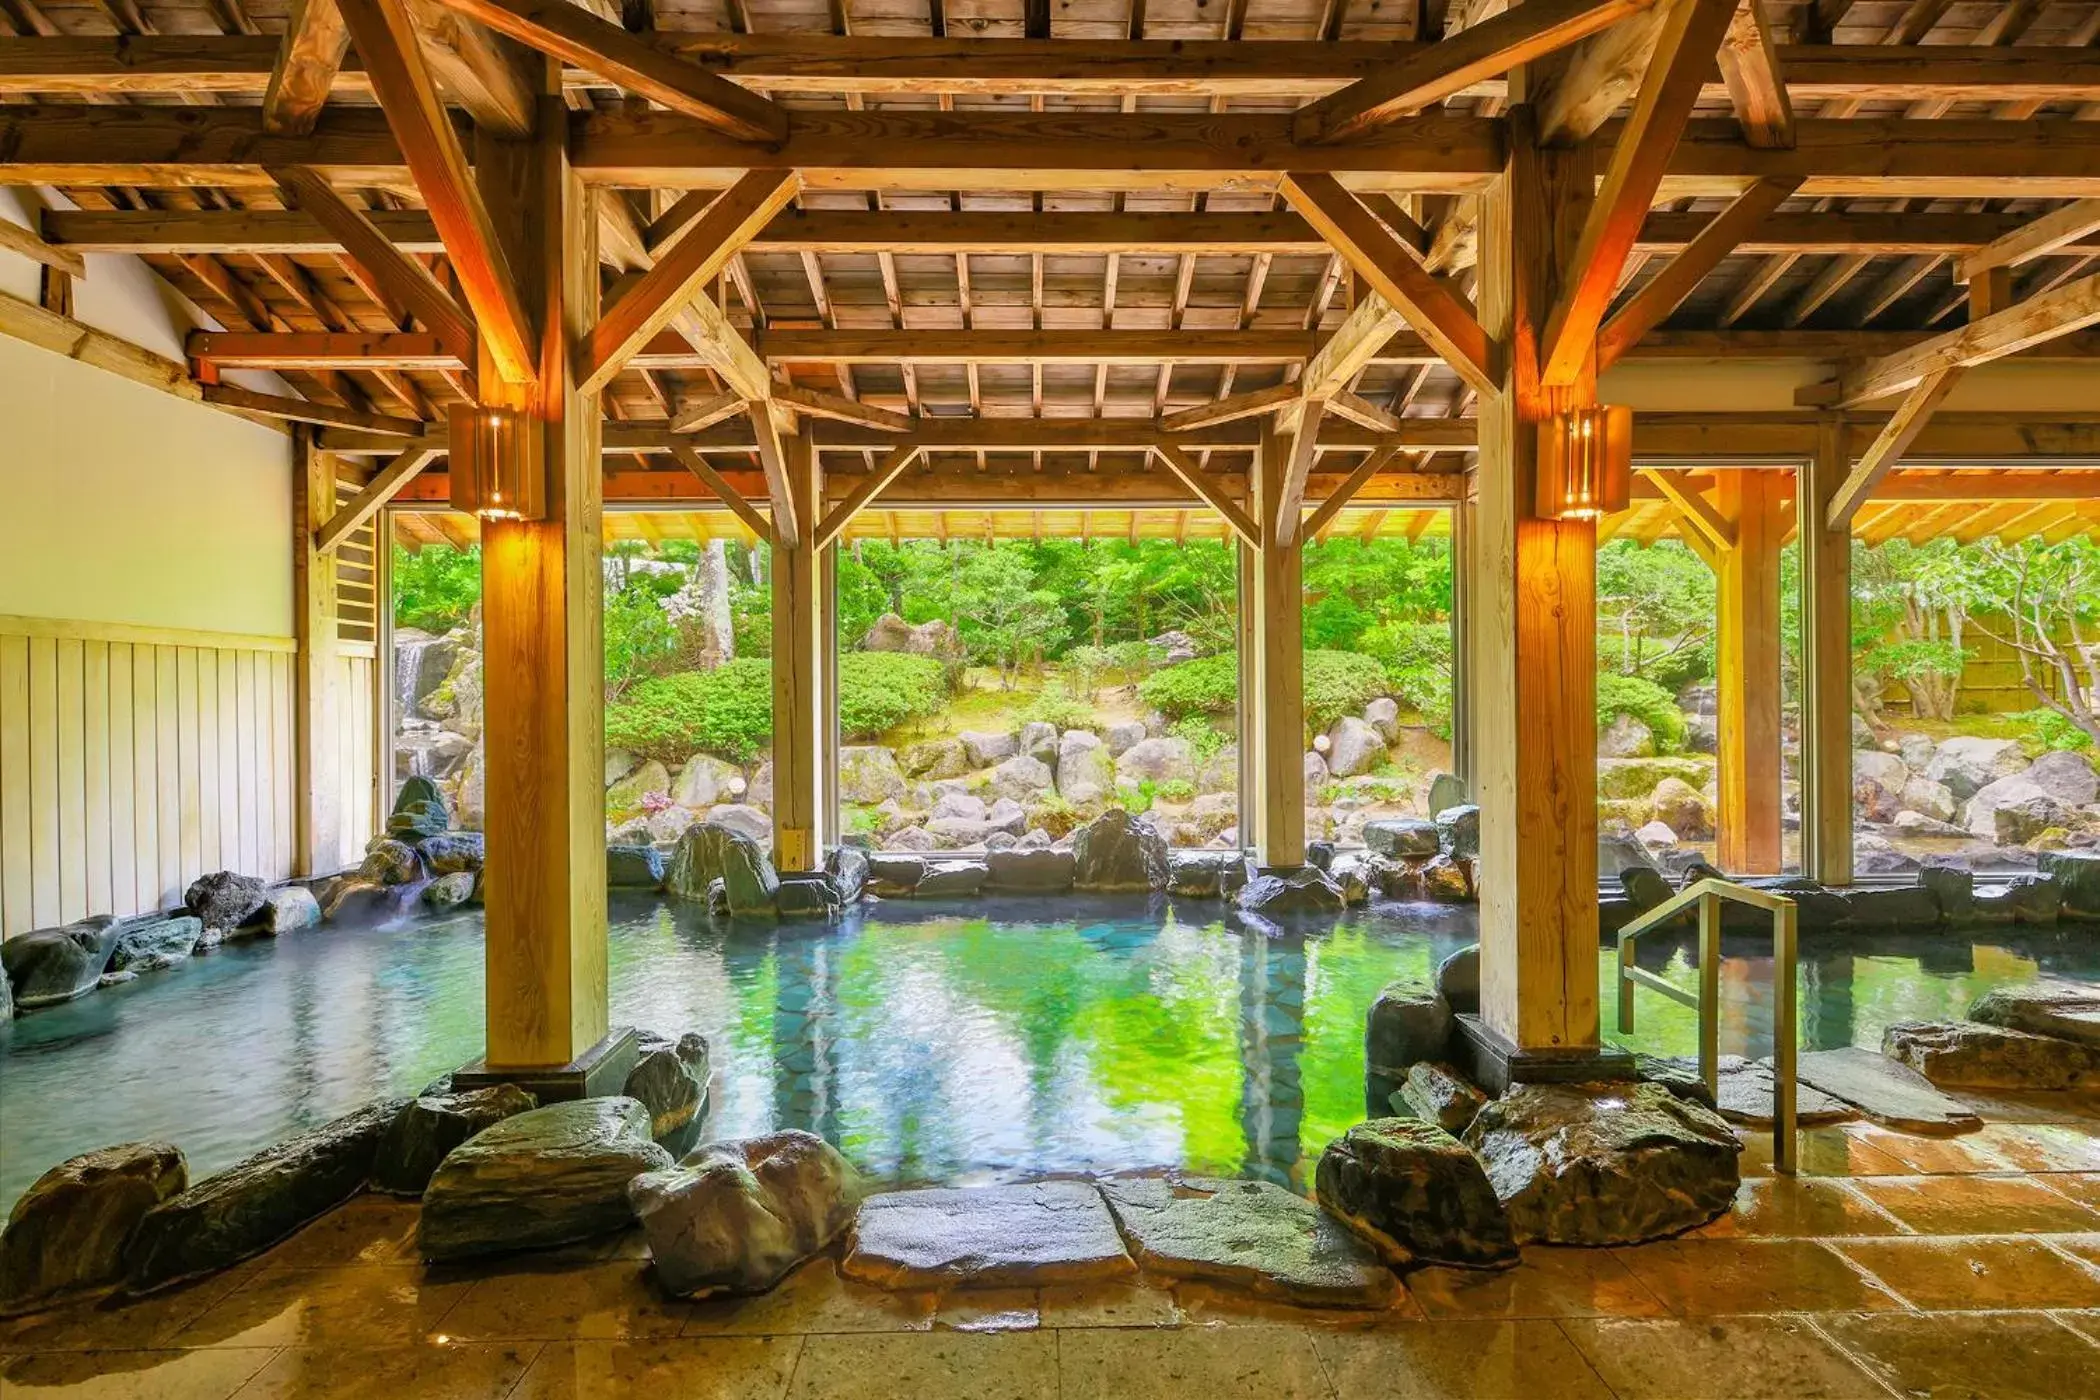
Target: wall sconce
[(1585, 462), (498, 464)]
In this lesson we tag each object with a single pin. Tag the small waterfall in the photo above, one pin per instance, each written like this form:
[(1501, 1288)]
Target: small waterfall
[(408, 665)]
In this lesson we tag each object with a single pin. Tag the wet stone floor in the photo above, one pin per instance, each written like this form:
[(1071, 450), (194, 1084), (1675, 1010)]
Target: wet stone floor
[(1893, 1265)]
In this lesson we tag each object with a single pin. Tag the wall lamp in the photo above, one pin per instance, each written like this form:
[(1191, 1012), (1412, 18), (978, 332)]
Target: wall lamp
[(499, 469), (1585, 464)]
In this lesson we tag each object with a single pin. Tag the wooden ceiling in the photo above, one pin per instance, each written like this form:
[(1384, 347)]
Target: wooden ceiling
[(1138, 268)]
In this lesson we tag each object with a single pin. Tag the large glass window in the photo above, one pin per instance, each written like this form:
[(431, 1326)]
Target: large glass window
[(434, 706)]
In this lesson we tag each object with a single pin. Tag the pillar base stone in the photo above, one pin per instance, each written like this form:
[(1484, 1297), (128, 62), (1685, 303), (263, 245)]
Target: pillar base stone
[(598, 1071), (1490, 1061)]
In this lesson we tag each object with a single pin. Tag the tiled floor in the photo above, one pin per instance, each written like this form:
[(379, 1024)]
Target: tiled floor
[(1893, 1266)]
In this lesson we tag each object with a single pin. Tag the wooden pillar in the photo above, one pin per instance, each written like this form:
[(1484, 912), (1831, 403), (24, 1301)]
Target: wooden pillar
[(1826, 664), (542, 624), (1532, 612), (317, 779), (1747, 640), (1246, 717), (1278, 695), (799, 686)]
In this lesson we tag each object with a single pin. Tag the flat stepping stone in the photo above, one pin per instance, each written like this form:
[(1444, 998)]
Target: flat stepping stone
[(1744, 1090), (1894, 1095), (1249, 1235), (1048, 1232), (2058, 1009)]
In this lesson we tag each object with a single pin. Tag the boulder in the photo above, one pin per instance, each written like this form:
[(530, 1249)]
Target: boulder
[(1044, 1233), (67, 1232), (1655, 836), (452, 851), (2077, 875), (1251, 1235), (959, 833), (1120, 738), (1626, 737), (1918, 824), (450, 891), (431, 1126), (1899, 909), (1021, 779), (1174, 647), (1383, 715), (1441, 790), (1637, 777), (911, 838), (1878, 780), (1205, 874), (706, 780), (1401, 836), (1157, 761), (1968, 765), (47, 966), (1007, 815), (1086, 772), (1353, 747), (893, 874), (634, 867), (1702, 733), (738, 1216), (1029, 872), (807, 895), (707, 853), (1306, 890), (1928, 799), (649, 780), (223, 899), (151, 936), (669, 1079), (1353, 874), (2024, 899), (953, 879), (1038, 740), (1605, 1163), (959, 804), (1415, 1193), (745, 820), (935, 638), (984, 750), (2066, 776), (387, 862), (869, 775), (1408, 1023), (759, 791), (2061, 1009), (1971, 1054), (1439, 1094), (1682, 809), (1116, 851), (1645, 886), (250, 1206), (1953, 889), (1458, 830), (2011, 793), (1445, 881), (1458, 980), (1317, 774), (548, 1176), (931, 758), (848, 868)]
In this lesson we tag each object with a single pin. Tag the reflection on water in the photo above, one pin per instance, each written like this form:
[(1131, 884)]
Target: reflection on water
[(1065, 1035)]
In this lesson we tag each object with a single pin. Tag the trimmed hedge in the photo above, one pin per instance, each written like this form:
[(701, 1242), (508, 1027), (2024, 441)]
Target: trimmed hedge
[(1645, 701), (729, 711), (1337, 683), (879, 690)]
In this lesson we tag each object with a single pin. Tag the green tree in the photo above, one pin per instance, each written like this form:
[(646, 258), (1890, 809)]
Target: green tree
[(2049, 598), (435, 587), (1004, 619)]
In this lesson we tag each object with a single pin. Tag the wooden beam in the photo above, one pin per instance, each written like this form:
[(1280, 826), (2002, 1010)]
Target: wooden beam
[(578, 37), (1489, 49), (388, 42), (1695, 510), (1361, 411), (306, 411), (1664, 292), (1191, 475), (722, 349), (1395, 272), (1751, 72), (772, 459), (1250, 404), (1282, 527), (816, 403), (681, 272), (396, 273), (1684, 48), (730, 496), (872, 485), (1373, 463), (695, 415), (16, 239), (311, 54), (2036, 321), (2055, 230), (62, 335), (1894, 439), (477, 69), (383, 487)]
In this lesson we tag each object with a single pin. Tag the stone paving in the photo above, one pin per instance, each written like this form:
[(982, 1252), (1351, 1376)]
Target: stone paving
[(1894, 1265)]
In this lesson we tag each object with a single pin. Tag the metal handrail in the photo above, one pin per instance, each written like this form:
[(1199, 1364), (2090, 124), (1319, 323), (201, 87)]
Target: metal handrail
[(1707, 895)]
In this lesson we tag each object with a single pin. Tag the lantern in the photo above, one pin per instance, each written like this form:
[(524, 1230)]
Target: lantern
[(1585, 467), (498, 464)]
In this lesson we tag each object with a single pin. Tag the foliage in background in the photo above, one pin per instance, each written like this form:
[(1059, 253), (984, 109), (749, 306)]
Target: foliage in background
[(2043, 730), (435, 587), (1645, 701), (879, 690), (639, 640), (726, 711), (2050, 600), (1910, 605), (1337, 683), (1655, 613), (1209, 685)]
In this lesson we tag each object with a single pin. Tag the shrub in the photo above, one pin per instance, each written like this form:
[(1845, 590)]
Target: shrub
[(2043, 730), (1645, 701), (879, 690), (1055, 708), (1177, 790), (1209, 685), (1204, 739), (435, 587), (726, 711), (1339, 683)]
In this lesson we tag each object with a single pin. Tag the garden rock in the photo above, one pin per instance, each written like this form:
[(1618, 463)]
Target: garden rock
[(1085, 770), (2066, 776), (1626, 737), (1407, 1024), (957, 879), (2077, 875), (1878, 780), (1317, 775), (1117, 851), (449, 891), (51, 965), (1166, 760), (1415, 1193), (848, 868), (1891, 1094), (1007, 815), (1306, 890), (1439, 1094), (1970, 1054), (745, 820), (1918, 824), (934, 758), (2061, 1009), (706, 780), (1205, 874), (1968, 765), (1928, 799), (223, 899), (1637, 777), (1021, 779), (891, 874), (1458, 830), (1401, 836), (250, 1206), (1444, 880), (1458, 980), (1681, 807), (453, 851), (387, 862), (1353, 876), (1038, 740), (148, 936), (869, 775), (1889, 910), (1251, 1235), (708, 852), (669, 1079), (807, 895), (739, 1216), (912, 838), (2024, 899), (633, 867), (1122, 737), (1442, 790), (1353, 747), (984, 750), (1383, 715), (1702, 733), (286, 909), (431, 1126), (548, 1176), (67, 1232), (1953, 888), (1014, 871), (1040, 1234), (1606, 1163), (959, 804), (2030, 819), (651, 779)]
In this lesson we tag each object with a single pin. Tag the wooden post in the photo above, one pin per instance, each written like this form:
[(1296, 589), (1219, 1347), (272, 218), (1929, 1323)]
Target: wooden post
[(1279, 671), (1747, 641), (1826, 669), (543, 710), (1247, 727), (317, 779), (1533, 619), (799, 686)]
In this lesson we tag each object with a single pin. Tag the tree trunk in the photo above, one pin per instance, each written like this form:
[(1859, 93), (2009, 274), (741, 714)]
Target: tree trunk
[(712, 624)]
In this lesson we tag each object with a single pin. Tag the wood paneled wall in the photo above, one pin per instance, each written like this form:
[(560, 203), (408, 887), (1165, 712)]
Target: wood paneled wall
[(357, 752)]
